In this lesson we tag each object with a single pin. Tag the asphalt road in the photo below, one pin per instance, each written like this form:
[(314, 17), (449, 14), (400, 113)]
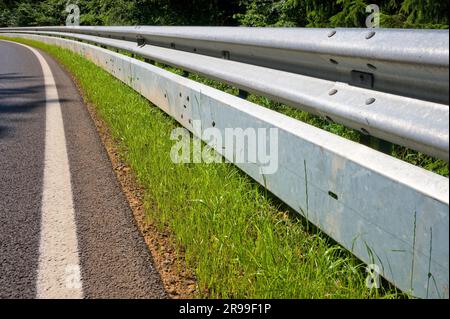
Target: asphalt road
[(66, 230)]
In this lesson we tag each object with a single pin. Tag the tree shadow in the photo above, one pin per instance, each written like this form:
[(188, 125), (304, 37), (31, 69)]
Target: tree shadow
[(4, 77), (6, 131), (19, 97), (8, 92)]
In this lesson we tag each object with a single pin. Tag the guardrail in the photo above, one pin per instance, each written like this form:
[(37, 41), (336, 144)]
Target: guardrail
[(386, 211), (412, 63), (417, 124)]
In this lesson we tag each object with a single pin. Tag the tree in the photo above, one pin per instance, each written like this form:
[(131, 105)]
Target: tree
[(276, 13)]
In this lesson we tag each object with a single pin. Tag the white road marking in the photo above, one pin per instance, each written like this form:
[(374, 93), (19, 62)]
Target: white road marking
[(59, 274)]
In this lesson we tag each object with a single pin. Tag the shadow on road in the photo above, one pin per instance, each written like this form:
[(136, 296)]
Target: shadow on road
[(20, 94), (15, 77), (5, 131)]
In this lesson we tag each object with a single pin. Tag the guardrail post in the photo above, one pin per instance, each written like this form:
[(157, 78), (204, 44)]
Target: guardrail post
[(243, 94), (140, 41), (376, 143)]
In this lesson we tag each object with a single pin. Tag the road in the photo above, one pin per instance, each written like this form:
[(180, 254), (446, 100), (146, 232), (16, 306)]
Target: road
[(66, 229)]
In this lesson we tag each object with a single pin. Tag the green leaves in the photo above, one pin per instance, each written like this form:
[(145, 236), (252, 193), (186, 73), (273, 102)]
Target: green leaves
[(343, 13), (257, 13)]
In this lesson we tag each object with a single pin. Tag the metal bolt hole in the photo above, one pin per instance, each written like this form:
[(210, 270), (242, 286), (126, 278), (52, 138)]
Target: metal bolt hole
[(332, 33), (332, 92), (334, 61), (370, 101), (333, 195), (370, 35)]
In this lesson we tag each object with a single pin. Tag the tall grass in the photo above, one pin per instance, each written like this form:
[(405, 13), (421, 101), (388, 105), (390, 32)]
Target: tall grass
[(427, 162)]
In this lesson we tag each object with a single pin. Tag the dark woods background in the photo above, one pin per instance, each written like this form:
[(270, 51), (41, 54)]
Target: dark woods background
[(287, 13)]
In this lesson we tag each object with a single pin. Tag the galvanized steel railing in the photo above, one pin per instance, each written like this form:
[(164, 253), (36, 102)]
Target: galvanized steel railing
[(392, 84)]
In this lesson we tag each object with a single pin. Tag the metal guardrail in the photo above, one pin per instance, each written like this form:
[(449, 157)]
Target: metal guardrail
[(413, 63), (413, 123), (384, 210)]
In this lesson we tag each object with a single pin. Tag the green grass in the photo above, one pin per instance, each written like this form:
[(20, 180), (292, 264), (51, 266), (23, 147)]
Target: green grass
[(239, 241), (429, 163)]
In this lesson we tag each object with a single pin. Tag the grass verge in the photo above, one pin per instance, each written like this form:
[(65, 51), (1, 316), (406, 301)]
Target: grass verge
[(413, 157), (239, 242)]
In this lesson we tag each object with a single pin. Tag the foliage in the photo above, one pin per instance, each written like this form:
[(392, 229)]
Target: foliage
[(277, 13), (343, 13), (120, 12)]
